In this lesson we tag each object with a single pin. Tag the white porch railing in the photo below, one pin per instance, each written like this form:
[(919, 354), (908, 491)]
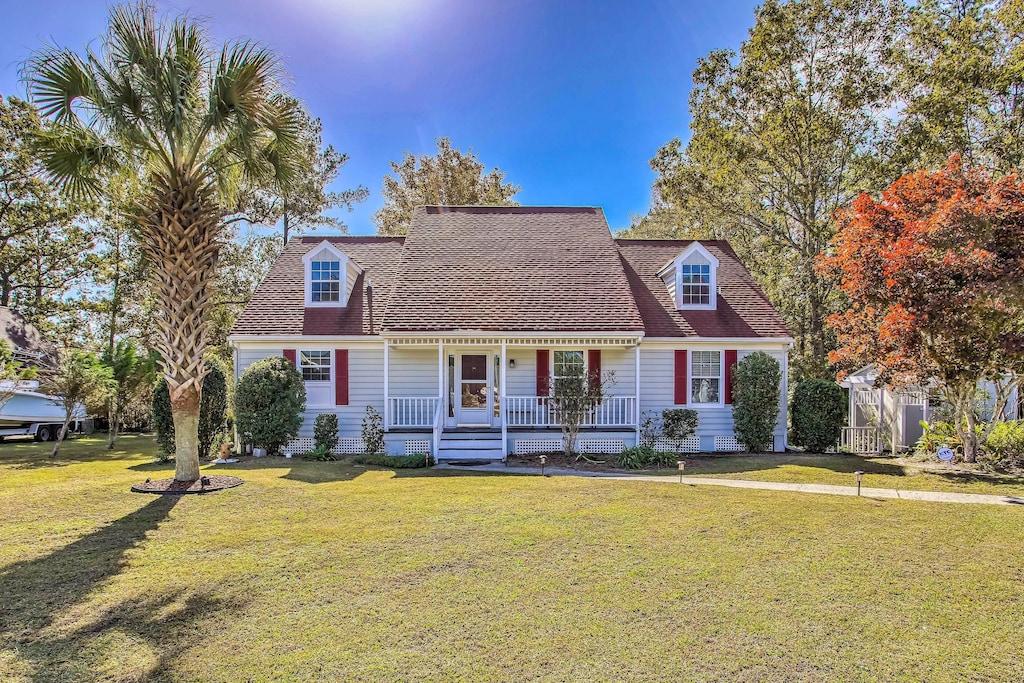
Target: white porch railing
[(860, 440), (412, 411), (543, 411)]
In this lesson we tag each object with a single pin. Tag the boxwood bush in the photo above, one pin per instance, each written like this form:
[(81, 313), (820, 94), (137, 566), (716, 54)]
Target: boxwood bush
[(678, 423), (818, 414), (755, 400), (325, 431), (269, 401)]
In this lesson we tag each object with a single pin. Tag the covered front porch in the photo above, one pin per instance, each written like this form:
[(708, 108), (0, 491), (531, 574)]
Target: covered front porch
[(497, 385)]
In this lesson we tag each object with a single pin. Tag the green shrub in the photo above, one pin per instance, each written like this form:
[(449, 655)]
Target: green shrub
[(755, 400), (640, 457), (398, 462), (679, 423), (1004, 447), (163, 424), (373, 431), (320, 453), (325, 431), (818, 414), (269, 402), (935, 435), (212, 408)]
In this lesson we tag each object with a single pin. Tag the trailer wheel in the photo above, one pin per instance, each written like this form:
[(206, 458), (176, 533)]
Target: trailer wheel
[(44, 433)]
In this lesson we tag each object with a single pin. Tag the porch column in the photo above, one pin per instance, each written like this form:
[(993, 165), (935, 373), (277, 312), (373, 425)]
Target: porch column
[(387, 398), (501, 398), (636, 391), (440, 371)]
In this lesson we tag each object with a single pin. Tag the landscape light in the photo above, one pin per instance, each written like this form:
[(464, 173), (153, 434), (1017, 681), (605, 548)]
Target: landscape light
[(680, 464), (860, 475), (543, 459)]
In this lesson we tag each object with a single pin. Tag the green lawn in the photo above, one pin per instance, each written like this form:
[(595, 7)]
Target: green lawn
[(839, 469), (323, 571)]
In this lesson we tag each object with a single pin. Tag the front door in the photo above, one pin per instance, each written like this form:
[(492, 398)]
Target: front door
[(473, 395)]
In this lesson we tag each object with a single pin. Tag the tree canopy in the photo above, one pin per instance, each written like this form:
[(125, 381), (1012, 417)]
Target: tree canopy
[(447, 177)]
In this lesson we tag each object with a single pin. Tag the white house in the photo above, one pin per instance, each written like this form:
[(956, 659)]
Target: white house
[(455, 332)]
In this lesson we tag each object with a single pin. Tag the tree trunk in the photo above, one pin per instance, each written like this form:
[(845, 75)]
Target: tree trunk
[(970, 438), (61, 435), (185, 413), (115, 420)]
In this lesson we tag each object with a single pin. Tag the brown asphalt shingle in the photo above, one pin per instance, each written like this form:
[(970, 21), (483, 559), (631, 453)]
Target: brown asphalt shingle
[(278, 305), (511, 269), (515, 269), (743, 309)]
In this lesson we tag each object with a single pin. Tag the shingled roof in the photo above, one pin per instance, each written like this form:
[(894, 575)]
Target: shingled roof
[(743, 310), (508, 269), (511, 269)]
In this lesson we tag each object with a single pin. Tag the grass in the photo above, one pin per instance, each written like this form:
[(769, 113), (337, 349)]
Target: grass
[(839, 469), (327, 571)]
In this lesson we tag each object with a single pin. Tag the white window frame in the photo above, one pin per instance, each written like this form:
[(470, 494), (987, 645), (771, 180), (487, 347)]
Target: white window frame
[(329, 366), (317, 253), (314, 280), (676, 265), (551, 366), (691, 375), (683, 285)]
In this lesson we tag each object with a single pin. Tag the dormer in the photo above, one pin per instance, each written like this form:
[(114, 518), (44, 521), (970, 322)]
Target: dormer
[(329, 277), (692, 279)]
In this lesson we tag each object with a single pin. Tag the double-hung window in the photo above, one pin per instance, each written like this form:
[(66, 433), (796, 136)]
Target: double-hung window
[(706, 377), (325, 281), (695, 284), (567, 365), (315, 366)]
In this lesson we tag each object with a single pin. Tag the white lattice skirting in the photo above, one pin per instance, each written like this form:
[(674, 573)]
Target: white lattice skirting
[(416, 446), (346, 446), (608, 446), (727, 444), (527, 446), (690, 444)]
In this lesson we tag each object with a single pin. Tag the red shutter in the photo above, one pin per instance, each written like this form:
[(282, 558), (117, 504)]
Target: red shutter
[(289, 355), (730, 361), (594, 364), (341, 377), (680, 383), (543, 378)]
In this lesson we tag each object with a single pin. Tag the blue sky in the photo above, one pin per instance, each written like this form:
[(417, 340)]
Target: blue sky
[(570, 99)]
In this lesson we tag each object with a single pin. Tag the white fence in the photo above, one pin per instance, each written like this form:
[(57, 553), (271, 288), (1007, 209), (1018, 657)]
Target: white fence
[(412, 411), (860, 440), (545, 411)]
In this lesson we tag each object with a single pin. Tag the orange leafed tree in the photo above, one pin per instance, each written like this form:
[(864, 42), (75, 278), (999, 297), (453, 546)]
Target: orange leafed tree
[(934, 274)]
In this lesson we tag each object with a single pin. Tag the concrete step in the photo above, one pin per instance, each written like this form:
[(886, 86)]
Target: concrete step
[(469, 454), (470, 443), (471, 436)]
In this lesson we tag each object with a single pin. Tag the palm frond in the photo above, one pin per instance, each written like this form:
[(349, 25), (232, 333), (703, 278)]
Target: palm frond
[(57, 79), (75, 158), (245, 78)]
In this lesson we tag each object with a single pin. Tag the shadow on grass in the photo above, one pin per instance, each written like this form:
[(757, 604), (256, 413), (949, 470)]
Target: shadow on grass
[(78, 449), (35, 590)]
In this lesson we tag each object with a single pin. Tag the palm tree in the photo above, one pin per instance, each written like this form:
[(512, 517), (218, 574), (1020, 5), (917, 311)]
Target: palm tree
[(196, 125)]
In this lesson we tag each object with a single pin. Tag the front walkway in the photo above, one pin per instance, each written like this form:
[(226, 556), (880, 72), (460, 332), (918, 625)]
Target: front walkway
[(901, 494)]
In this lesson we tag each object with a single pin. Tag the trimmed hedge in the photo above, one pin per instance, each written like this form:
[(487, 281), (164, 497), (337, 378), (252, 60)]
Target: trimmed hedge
[(269, 401), (755, 400), (818, 414), (398, 462), (325, 431)]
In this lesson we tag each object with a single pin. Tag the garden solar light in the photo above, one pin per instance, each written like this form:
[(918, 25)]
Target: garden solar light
[(543, 459), (860, 475), (680, 464)]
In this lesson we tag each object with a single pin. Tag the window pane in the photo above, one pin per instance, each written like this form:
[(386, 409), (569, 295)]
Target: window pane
[(704, 390), (315, 365), (474, 394), (474, 367), (568, 363)]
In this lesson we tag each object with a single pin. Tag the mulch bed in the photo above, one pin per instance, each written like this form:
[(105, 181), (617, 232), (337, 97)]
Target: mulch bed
[(205, 484)]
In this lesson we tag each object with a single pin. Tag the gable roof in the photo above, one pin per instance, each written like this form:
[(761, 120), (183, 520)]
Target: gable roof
[(278, 304), (743, 310), (508, 269), (511, 269)]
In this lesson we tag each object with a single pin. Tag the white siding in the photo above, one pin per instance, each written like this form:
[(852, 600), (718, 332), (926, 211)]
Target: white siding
[(522, 379), (365, 386), (657, 393), (413, 371)]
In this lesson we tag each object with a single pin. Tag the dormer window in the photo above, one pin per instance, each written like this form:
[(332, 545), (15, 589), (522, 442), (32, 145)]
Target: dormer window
[(695, 284), (691, 278), (325, 281), (329, 276)]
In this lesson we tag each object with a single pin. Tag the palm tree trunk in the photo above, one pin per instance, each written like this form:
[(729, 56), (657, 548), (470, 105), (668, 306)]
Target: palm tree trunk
[(182, 228)]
